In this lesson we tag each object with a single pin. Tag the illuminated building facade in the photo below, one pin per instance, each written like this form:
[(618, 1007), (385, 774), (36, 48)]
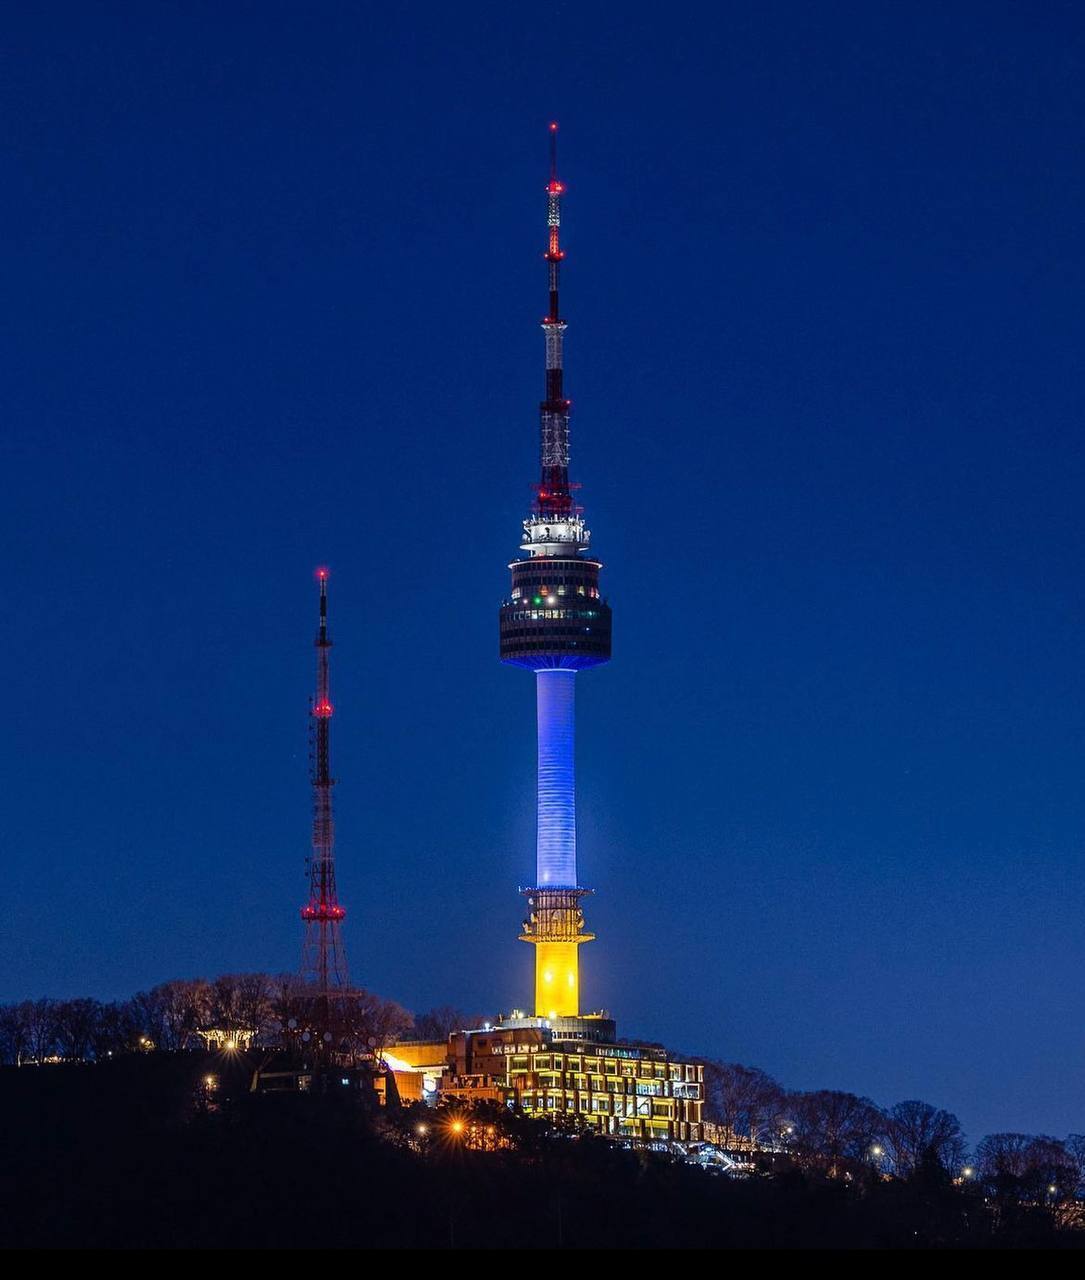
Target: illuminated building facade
[(637, 1092), (555, 623)]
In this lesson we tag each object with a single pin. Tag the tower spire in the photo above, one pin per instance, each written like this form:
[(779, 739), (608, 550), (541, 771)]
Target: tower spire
[(323, 958), (554, 493)]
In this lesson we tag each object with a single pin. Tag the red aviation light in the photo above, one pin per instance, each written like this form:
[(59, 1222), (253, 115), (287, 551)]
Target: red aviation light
[(556, 188), (323, 709), (554, 127), (322, 575), (325, 912)]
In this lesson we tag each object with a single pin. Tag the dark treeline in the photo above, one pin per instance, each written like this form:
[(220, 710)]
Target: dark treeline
[(841, 1133), (136, 1152), (180, 1014), (826, 1166)]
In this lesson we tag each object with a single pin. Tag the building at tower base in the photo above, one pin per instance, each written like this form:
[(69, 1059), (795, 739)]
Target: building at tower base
[(568, 1067)]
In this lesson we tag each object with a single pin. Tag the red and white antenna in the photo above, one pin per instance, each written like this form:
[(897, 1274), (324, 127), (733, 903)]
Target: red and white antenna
[(555, 498), (323, 957)]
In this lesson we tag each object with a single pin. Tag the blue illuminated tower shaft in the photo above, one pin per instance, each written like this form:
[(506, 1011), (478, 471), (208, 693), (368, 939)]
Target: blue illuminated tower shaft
[(555, 623), (555, 840)]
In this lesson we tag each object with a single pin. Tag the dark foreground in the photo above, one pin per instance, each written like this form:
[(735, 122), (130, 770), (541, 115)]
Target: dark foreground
[(138, 1153)]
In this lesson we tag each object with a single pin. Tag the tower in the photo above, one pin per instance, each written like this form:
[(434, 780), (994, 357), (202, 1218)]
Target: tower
[(555, 624), (323, 963)]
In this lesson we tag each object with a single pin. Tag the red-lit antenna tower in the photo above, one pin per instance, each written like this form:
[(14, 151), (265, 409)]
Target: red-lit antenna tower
[(324, 962), (555, 497)]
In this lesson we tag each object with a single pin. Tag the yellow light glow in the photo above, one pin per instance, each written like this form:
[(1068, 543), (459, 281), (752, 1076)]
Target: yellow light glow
[(457, 1126), (557, 980)]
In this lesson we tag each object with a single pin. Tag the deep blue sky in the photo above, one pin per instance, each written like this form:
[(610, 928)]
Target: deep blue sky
[(271, 287)]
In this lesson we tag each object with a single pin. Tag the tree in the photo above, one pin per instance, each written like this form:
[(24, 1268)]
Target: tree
[(76, 1021), (172, 1011), (13, 1035), (1001, 1162), (380, 1021), (919, 1135), (254, 996), (223, 1008), (117, 1029), (39, 1017), (744, 1100), (1051, 1170), (1026, 1168), (1075, 1148), (831, 1127), (439, 1023)]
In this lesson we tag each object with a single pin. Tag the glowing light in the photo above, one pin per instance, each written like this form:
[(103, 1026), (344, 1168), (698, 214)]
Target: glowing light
[(322, 575), (557, 980), (876, 1151), (967, 1171), (210, 1082), (456, 1126), (422, 1130)]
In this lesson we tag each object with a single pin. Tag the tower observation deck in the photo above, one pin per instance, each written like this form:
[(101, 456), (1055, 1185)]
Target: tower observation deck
[(555, 623)]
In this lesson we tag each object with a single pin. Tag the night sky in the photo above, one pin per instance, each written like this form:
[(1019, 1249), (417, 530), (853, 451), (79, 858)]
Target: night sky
[(272, 283)]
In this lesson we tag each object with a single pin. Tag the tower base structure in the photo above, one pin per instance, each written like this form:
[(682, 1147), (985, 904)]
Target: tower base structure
[(555, 925)]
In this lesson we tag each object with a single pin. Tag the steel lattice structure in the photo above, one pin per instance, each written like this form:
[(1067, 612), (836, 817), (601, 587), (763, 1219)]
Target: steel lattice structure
[(324, 963)]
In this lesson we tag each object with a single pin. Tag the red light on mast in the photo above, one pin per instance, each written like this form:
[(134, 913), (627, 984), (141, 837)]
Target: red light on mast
[(322, 575)]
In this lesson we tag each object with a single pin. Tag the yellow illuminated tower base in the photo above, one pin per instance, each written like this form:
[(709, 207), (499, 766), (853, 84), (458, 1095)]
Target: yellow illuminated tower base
[(555, 926)]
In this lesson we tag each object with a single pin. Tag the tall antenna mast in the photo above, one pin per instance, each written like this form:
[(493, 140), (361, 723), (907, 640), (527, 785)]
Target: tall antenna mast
[(554, 494), (324, 963)]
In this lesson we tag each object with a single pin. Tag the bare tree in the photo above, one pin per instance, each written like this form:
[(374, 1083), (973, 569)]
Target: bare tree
[(172, 1011), (918, 1134), (831, 1128), (116, 1030), (439, 1023), (745, 1100), (223, 1007), (1027, 1168), (254, 999), (14, 1038), (39, 1017), (1075, 1149), (380, 1021), (76, 1021), (1001, 1161), (1052, 1170)]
